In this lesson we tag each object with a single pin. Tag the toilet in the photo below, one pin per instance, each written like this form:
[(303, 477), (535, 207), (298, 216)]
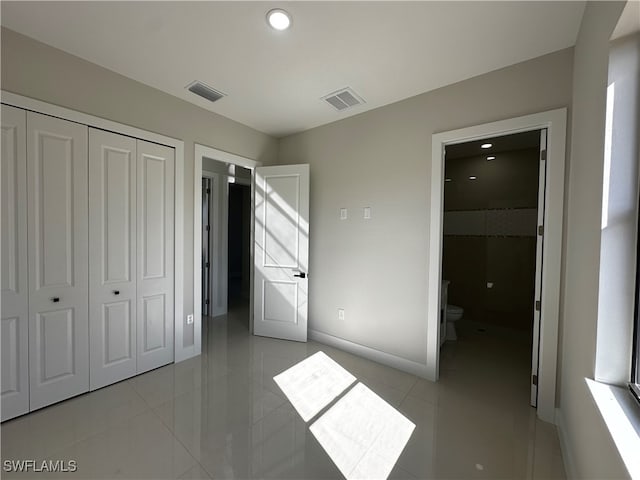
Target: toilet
[(454, 313)]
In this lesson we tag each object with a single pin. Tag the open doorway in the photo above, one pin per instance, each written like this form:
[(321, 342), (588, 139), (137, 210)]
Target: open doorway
[(239, 245), (492, 244), (555, 122), (223, 168), (225, 241)]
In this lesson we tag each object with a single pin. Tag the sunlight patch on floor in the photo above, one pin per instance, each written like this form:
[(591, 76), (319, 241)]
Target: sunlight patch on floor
[(362, 434), (313, 383)]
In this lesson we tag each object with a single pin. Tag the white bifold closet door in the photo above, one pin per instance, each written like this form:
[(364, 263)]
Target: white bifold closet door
[(112, 253), (155, 262), (58, 256), (15, 288), (131, 231)]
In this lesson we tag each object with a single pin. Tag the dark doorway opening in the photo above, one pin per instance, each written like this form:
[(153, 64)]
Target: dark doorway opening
[(239, 248)]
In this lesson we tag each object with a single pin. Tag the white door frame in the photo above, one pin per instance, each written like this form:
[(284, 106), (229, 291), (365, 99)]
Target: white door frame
[(537, 314), (8, 98), (214, 247), (204, 151), (555, 122)]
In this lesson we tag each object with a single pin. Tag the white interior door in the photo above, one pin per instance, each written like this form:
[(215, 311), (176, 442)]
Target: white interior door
[(15, 288), (112, 254), (281, 251), (155, 232), (58, 270), (542, 175)]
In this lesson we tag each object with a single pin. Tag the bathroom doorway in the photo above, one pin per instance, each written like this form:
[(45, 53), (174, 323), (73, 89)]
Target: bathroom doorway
[(555, 122), (492, 245)]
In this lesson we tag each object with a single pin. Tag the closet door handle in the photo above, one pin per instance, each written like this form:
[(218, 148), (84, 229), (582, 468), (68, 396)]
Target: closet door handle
[(116, 292), (55, 299)]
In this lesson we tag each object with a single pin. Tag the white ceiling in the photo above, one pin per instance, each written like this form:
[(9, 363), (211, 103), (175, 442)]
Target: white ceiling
[(385, 51)]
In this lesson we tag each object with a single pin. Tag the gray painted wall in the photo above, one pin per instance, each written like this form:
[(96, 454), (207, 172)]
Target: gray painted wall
[(36, 70), (377, 269)]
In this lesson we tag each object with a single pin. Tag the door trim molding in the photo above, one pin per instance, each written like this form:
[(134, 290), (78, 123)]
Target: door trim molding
[(218, 307), (555, 121), (200, 152), (38, 106)]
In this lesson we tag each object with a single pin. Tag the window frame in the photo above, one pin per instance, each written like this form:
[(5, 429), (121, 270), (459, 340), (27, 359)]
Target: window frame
[(634, 381)]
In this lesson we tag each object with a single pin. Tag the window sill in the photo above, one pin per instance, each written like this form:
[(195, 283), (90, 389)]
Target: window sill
[(621, 413)]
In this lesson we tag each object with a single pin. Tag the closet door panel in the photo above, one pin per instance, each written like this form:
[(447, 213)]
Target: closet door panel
[(112, 254), (155, 191), (13, 262), (58, 271)]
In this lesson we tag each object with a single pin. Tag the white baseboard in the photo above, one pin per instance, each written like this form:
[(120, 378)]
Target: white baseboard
[(369, 353), (565, 446)]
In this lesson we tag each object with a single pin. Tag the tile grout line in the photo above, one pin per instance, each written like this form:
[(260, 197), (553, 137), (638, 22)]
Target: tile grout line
[(197, 462), (408, 391), (168, 428)]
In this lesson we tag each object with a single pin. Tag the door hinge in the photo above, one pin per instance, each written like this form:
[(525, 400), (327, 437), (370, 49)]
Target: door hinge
[(534, 380), (208, 190), (206, 265), (541, 230), (538, 305), (207, 228), (543, 155), (206, 302)]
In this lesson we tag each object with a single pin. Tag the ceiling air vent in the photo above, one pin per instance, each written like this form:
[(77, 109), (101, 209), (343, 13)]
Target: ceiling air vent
[(205, 91), (343, 99)]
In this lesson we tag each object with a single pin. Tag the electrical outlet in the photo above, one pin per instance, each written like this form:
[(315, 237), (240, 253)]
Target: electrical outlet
[(189, 319), (341, 314), (343, 214)]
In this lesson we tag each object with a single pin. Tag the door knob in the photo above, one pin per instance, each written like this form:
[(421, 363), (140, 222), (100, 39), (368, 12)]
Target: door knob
[(116, 292), (55, 299), (300, 275)]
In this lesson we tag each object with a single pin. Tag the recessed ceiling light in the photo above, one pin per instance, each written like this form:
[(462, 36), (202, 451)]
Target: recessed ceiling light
[(491, 158), (486, 145), (472, 177), (278, 19), (447, 179)]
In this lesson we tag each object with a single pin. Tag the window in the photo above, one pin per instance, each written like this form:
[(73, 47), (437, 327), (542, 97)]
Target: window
[(620, 200)]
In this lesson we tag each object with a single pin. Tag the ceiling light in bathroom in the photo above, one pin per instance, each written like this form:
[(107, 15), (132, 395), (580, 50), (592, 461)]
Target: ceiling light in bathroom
[(472, 177), (491, 158), (486, 145), (447, 179), (278, 19)]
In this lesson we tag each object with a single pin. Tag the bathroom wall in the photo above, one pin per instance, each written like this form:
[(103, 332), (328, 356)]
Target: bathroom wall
[(489, 247)]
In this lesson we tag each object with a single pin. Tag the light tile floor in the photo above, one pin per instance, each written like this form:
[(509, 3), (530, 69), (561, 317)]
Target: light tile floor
[(221, 415)]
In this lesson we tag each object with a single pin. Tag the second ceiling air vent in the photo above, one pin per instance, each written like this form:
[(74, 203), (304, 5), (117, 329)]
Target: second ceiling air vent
[(343, 99), (205, 91)]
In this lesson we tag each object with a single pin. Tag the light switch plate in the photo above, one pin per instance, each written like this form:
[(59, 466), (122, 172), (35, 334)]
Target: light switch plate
[(343, 214), (341, 314), (367, 213)]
